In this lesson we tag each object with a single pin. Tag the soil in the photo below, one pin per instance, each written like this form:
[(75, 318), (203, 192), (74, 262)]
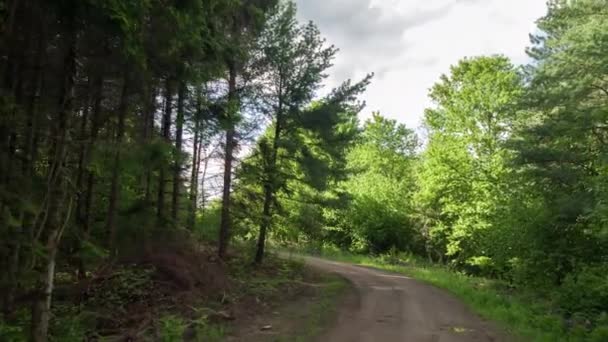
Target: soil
[(377, 306), (391, 307), (300, 315)]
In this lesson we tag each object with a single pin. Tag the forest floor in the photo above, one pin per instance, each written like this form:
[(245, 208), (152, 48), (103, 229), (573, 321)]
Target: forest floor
[(298, 316), (391, 307), (174, 295)]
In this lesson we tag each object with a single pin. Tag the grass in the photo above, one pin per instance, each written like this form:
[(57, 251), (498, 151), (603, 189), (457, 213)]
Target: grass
[(524, 315)]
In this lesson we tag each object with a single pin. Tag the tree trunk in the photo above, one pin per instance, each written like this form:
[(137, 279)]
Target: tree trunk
[(13, 47), (41, 310), (27, 168), (148, 129), (194, 172), (269, 188), (114, 186), (203, 177), (80, 180), (166, 134), (82, 136), (90, 186), (8, 50), (266, 220), (177, 167), (225, 219), (11, 277), (8, 39), (56, 196)]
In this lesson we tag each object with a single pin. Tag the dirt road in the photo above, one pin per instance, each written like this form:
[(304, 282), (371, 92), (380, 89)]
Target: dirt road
[(388, 307)]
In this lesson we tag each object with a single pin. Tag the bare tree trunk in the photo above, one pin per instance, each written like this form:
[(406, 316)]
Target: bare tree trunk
[(177, 167), (114, 191), (90, 186), (32, 113), (166, 134), (80, 180), (8, 57), (8, 39), (148, 129), (225, 219), (42, 306), (82, 136), (194, 172), (41, 309), (56, 196), (12, 65), (27, 170), (203, 176)]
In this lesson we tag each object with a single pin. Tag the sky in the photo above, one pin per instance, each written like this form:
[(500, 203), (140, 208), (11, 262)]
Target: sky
[(409, 44)]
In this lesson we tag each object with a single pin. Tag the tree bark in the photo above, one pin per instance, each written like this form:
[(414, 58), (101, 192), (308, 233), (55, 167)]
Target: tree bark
[(266, 220), (95, 126), (225, 219), (203, 177), (82, 136), (8, 49), (177, 166), (148, 129), (27, 167), (166, 134), (114, 186), (269, 188), (12, 63), (56, 196), (194, 172)]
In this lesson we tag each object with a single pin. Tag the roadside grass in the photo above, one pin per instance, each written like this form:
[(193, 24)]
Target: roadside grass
[(525, 315)]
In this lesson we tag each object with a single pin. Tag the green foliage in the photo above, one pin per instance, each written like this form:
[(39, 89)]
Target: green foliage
[(585, 293), (561, 150), (206, 332), (208, 222), (511, 183), (172, 328), (380, 188), (599, 334), (465, 165), (71, 324), (13, 331)]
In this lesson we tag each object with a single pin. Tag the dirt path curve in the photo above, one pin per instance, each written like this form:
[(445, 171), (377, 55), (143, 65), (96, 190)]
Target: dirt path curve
[(389, 307)]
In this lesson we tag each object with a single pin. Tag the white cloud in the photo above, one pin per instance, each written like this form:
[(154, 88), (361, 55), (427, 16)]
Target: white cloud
[(410, 43)]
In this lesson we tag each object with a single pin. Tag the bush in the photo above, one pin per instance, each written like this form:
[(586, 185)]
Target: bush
[(208, 223), (172, 329), (10, 332), (599, 334), (585, 294)]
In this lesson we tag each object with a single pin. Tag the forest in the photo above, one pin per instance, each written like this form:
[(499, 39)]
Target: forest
[(162, 132)]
